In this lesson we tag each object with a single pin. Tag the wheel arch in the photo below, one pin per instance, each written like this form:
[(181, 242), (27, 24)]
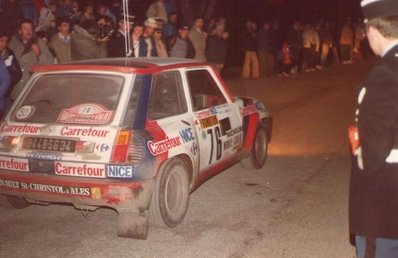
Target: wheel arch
[(188, 163)]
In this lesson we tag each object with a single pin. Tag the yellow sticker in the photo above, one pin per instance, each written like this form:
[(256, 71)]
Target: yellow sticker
[(95, 193), (208, 122)]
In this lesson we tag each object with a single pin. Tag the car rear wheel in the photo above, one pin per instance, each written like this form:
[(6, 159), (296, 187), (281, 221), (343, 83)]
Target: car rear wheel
[(170, 199), (259, 151)]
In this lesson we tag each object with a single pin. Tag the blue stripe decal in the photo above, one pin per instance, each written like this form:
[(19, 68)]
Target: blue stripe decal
[(142, 105)]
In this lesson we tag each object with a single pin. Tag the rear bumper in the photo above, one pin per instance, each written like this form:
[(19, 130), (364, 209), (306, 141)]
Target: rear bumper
[(81, 192)]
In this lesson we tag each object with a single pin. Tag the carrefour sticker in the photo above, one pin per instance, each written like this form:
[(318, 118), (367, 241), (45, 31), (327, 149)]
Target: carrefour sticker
[(194, 148), (25, 112), (26, 128), (102, 147), (14, 164), (248, 110), (119, 171), (160, 147), (85, 114), (203, 114), (86, 132), (68, 190), (208, 122), (79, 169)]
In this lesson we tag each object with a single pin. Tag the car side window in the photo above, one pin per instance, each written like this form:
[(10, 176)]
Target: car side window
[(167, 96), (205, 92)]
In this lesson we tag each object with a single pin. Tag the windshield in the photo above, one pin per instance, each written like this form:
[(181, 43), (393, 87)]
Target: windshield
[(71, 99)]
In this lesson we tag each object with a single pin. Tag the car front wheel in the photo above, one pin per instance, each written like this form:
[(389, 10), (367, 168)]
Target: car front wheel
[(170, 199), (258, 153)]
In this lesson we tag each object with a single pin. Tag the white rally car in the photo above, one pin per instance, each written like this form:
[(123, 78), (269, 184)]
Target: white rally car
[(135, 135)]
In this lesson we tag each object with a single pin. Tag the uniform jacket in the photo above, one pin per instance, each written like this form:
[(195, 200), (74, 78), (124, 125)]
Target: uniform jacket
[(373, 200), (4, 84), (116, 46), (27, 59), (14, 69)]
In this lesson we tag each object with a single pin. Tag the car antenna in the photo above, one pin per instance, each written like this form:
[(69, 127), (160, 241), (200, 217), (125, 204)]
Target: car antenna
[(127, 39)]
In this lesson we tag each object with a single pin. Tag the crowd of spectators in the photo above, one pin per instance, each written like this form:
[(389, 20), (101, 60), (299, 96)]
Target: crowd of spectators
[(59, 31), (304, 47)]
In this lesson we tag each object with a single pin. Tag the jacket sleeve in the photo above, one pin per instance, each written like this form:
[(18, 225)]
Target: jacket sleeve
[(45, 54), (15, 69), (4, 80), (378, 118)]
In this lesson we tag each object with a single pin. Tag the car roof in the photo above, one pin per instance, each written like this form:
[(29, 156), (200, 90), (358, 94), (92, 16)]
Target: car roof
[(124, 65)]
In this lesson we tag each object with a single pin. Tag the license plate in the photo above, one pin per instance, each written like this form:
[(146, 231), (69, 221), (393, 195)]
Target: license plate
[(49, 144)]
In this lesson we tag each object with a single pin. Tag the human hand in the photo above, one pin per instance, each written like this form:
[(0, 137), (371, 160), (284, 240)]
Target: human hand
[(36, 49)]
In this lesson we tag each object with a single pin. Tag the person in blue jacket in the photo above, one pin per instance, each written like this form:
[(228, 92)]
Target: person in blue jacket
[(5, 81)]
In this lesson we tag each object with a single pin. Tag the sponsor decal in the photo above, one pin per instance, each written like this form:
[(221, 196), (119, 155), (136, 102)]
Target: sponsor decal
[(234, 131), (238, 139), (120, 171), (19, 128), (157, 148), (44, 155), (85, 114), (187, 135), (79, 169), (225, 125), (213, 110), (25, 112), (228, 144), (247, 110), (208, 122), (89, 132), (14, 164), (194, 148), (69, 190), (203, 114), (103, 147)]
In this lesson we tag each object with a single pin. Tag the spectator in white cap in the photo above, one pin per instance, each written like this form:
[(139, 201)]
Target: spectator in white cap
[(157, 10), (373, 201)]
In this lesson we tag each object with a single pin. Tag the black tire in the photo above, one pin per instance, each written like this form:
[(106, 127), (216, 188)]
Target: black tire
[(170, 199), (13, 202), (259, 151)]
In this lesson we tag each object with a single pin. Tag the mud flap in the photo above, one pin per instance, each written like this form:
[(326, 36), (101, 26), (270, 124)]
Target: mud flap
[(133, 224)]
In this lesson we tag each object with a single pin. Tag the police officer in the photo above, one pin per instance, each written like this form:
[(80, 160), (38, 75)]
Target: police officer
[(373, 201)]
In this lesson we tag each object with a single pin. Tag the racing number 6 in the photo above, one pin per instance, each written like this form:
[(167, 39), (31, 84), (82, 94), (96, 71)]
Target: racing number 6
[(218, 143)]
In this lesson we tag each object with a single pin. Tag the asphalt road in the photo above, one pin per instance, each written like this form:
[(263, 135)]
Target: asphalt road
[(296, 206)]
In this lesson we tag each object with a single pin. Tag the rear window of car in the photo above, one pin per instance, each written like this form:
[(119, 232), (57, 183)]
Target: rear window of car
[(71, 99)]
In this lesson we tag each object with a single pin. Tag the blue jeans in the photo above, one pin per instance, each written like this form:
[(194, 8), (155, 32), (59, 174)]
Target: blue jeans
[(376, 247)]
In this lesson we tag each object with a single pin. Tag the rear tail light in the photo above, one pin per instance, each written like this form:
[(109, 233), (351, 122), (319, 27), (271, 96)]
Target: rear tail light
[(129, 147), (9, 141), (121, 148)]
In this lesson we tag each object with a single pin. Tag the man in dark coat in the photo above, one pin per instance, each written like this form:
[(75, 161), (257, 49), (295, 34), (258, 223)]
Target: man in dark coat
[(373, 201), (117, 44)]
